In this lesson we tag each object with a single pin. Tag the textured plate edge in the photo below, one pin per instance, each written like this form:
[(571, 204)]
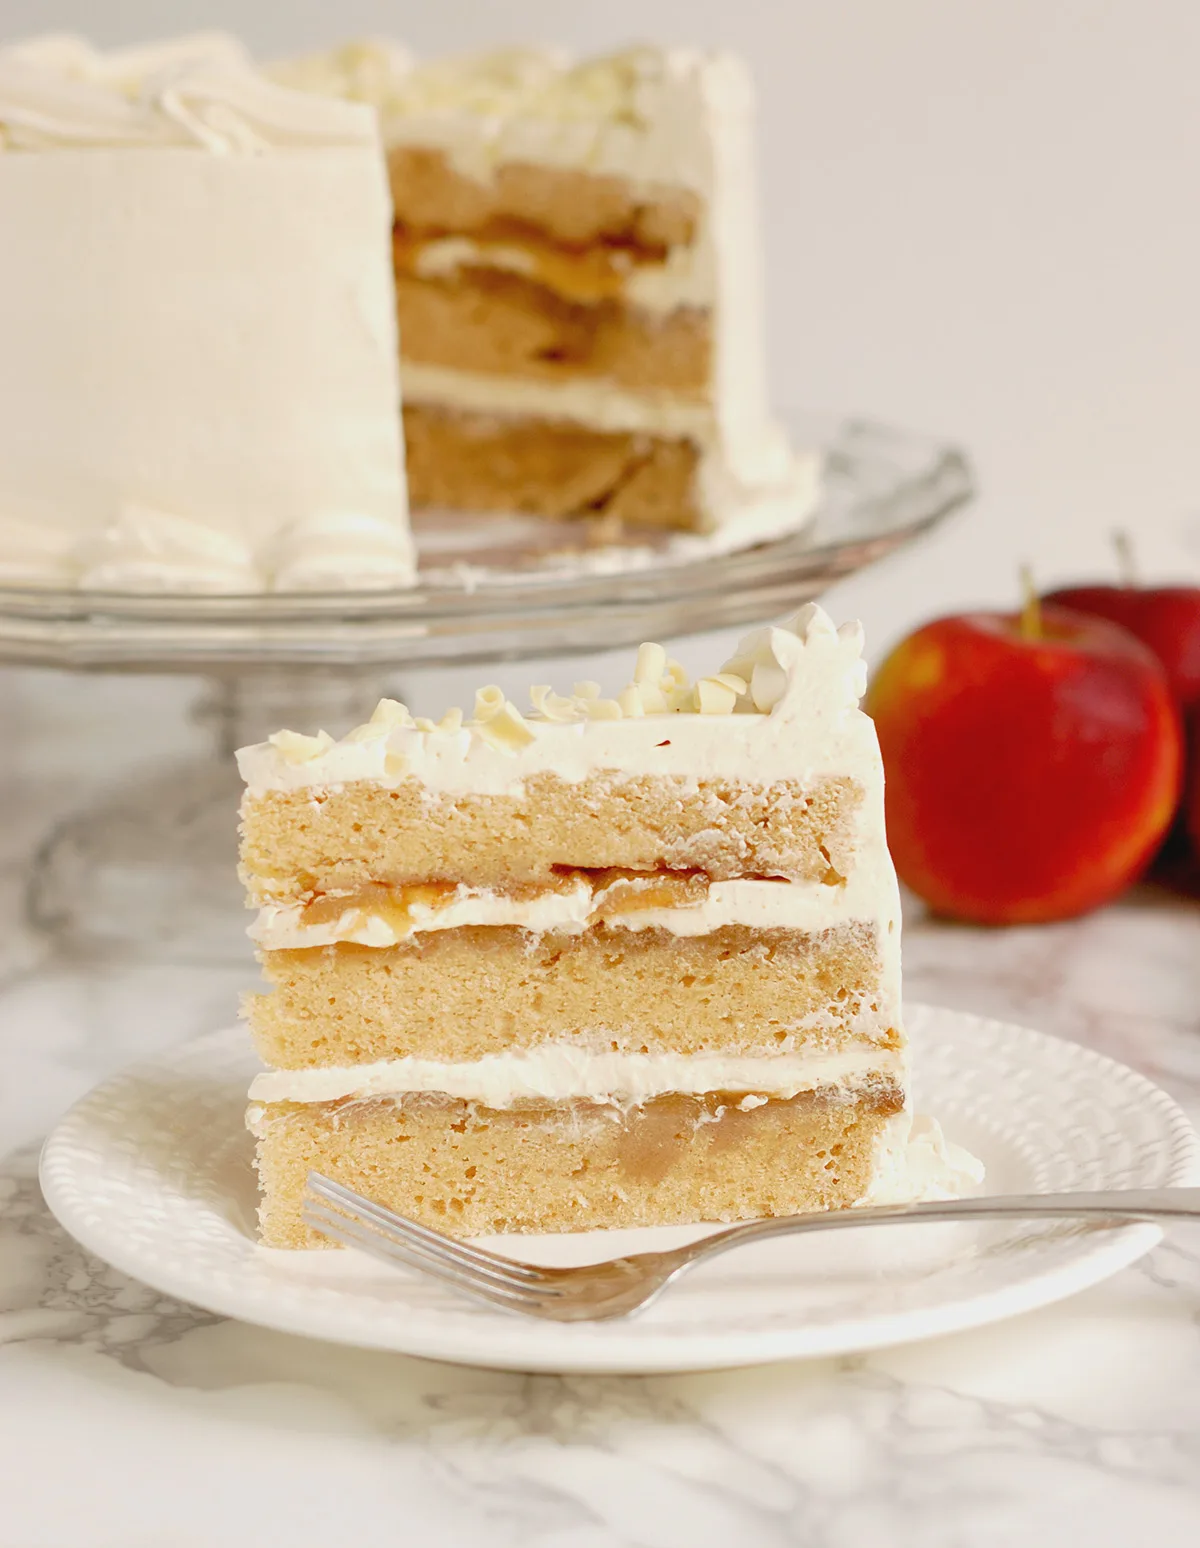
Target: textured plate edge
[(1109, 1250)]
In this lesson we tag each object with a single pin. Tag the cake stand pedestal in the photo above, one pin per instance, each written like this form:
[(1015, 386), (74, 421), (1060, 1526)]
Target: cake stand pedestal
[(151, 871)]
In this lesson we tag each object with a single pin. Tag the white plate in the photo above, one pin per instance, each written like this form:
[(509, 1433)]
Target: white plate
[(152, 1173)]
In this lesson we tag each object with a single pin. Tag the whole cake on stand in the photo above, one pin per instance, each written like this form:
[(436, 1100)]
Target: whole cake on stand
[(211, 401)]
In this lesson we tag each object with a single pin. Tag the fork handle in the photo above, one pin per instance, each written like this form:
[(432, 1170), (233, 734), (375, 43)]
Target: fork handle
[(1114, 1205)]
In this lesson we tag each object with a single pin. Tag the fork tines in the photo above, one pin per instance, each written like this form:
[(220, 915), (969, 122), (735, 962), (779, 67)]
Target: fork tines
[(347, 1217)]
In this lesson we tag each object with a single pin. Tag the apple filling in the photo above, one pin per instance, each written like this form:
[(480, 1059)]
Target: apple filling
[(614, 893)]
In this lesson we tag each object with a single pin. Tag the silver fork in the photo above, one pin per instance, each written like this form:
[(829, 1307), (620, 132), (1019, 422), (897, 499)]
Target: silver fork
[(596, 1291)]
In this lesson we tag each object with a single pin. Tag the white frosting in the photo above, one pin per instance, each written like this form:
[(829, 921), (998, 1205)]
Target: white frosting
[(559, 1072), (218, 374), (200, 91), (339, 549), (760, 905), (146, 550), (32, 554), (807, 676), (914, 1161), (643, 114)]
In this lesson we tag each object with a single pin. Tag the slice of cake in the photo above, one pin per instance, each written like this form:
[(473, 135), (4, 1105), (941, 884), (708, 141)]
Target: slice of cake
[(578, 284), (615, 962), (198, 364)]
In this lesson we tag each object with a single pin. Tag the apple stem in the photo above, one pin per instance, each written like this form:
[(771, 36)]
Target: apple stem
[(1031, 607), (1126, 565)]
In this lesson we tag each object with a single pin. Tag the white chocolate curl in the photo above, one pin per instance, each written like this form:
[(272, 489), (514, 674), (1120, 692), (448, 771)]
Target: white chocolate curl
[(806, 667), (506, 729), (294, 747), (488, 703)]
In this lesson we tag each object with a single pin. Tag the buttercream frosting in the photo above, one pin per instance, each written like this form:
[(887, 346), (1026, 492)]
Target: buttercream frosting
[(914, 1162), (642, 113), (206, 400), (559, 1072), (794, 716), (656, 119), (200, 91)]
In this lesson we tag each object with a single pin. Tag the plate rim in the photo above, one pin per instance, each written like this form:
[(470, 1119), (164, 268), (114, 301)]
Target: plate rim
[(1101, 1254)]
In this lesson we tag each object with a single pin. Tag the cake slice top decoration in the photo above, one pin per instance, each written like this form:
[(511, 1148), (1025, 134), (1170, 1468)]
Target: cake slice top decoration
[(579, 284), (804, 675), (199, 368)]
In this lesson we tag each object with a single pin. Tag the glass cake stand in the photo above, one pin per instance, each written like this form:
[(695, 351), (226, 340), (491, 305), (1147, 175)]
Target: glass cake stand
[(152, 870)]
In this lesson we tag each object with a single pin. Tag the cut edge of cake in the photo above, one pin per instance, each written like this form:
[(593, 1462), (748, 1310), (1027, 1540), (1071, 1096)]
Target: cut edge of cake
[(579, 283)]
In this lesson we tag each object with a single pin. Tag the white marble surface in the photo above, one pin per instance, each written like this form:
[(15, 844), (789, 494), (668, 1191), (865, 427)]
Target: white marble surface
[(128, 1420)]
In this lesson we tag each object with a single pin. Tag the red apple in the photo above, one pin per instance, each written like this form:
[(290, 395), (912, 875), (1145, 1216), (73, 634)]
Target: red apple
[(1033, 765), (1166, 618), (1191, 801)]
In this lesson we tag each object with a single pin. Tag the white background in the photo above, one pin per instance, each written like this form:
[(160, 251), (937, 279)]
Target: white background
[(981, 220)]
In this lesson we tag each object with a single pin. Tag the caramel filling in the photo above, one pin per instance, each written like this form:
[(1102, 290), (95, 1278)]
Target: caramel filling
[(585, 275), (378, 900), (567, 207), (614, 892)]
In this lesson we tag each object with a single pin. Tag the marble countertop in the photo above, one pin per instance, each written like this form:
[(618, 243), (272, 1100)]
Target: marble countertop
[(129, 1420)]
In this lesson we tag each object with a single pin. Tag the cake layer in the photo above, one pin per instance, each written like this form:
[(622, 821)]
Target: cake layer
[(553, 468), (468, 1169), (564, 207), (470, 992), (493, 321), (295, 841)]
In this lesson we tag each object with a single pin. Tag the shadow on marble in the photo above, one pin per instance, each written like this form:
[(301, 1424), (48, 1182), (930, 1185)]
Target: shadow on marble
[(1031, 1411)]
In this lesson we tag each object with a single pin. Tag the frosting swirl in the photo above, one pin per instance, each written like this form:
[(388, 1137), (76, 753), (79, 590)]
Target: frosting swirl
[(57, 92)]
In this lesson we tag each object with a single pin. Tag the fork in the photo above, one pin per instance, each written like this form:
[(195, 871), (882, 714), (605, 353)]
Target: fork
[(594, 1292)]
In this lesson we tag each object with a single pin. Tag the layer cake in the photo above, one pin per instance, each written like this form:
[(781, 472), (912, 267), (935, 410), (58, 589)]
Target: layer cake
[(611, 962), (578, 283)]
